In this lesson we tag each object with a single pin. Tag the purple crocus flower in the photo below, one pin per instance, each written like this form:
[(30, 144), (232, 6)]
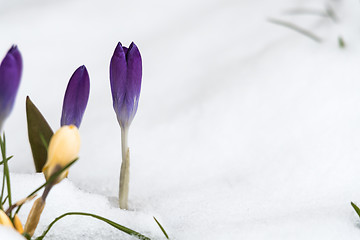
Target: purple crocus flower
[(76, 97), (125, 81), (10, 75)]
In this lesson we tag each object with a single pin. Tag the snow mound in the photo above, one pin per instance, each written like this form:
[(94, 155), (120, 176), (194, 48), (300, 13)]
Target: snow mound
[(65, 197)]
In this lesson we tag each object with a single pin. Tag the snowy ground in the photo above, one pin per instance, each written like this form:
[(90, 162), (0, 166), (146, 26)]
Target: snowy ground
[(245, 129)]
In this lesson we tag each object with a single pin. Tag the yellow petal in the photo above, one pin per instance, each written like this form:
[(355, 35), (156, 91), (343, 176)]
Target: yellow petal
[(18, 225), (5, 220), (63, 148)]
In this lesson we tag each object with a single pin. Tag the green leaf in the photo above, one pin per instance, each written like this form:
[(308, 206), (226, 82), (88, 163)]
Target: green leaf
[(162, 229), (356, 208), (38, 131), (4, 200), (114, 224)]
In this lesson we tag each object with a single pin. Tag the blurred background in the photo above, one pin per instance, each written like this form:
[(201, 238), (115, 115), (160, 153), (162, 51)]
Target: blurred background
[(247, 107)]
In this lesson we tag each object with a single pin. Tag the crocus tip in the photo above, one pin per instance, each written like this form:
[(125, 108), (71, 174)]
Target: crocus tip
[(119, 46), (13, 49), (132, 44), (119, 51), (81, 68), (133, 48), (84, 70)]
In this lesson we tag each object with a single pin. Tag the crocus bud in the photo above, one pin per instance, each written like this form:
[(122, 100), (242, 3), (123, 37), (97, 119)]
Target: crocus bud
[(125, 81), (5, 220), (18, 225), (10, 75), (76, 97), (63, 148), (34, 216)]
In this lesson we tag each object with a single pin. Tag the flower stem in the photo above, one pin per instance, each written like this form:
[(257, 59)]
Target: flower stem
[(2, 191), (49, 181), (125, 170), (6, 173), (34, 216)]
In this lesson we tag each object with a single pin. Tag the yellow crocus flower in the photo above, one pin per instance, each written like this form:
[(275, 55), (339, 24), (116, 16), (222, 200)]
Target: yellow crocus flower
[(63, 148), (18, 225), (5, 220)]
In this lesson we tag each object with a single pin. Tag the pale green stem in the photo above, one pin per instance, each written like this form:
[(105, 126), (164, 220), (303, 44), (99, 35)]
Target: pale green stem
[(5, 169), (125, 170), (3, 179)]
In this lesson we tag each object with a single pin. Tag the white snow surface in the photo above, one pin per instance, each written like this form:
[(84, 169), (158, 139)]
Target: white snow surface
[(9, 233), (245, 129)]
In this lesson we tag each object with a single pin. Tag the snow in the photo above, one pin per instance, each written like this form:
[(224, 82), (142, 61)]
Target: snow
[(8, 233), (73, 227), (245, 129)]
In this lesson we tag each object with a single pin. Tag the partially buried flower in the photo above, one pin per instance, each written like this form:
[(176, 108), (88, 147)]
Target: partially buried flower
[(10, 75), (125, 81), (63, 148), (18, 225), (5, 220), (76, 97)]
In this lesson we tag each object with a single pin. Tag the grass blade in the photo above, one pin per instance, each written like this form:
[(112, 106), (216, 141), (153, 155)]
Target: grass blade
[(2, 162), (114, 224), (162, 229), (6, 172), (356, 208), (296, 28)]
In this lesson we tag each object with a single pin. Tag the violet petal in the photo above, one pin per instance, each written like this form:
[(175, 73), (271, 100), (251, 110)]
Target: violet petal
[(125, 80), (76, 97), (10, 75)]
